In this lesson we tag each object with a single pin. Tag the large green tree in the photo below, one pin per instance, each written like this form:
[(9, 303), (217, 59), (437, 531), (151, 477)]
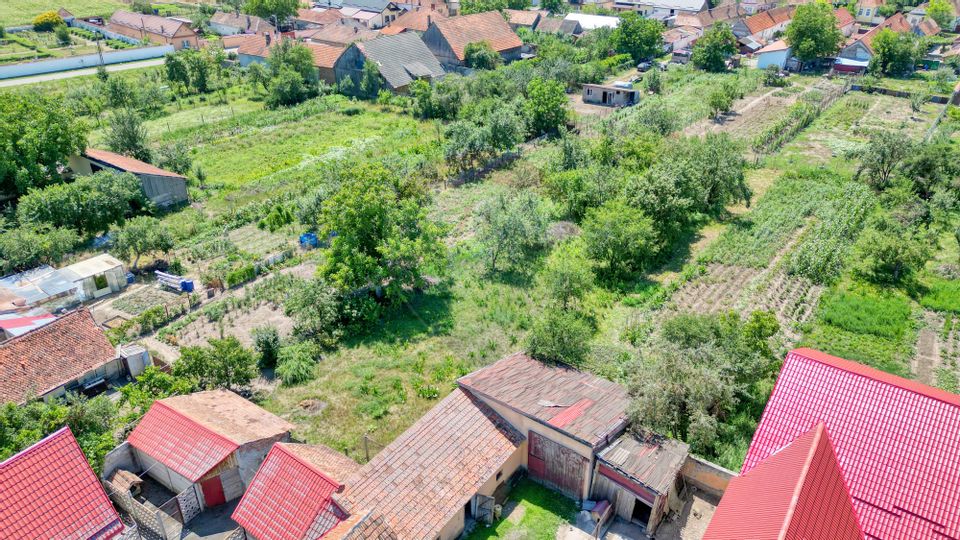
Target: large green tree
[(272, 10), (511, 226), (638, 36), (27, 246), (546, 105), (128, 136), (468, 7), (711, 51), (895, 53), (813, 32), (480, 55), (89, 205), (620, 237), (139, 236), (942, 12), (37, 135), (224, 363)]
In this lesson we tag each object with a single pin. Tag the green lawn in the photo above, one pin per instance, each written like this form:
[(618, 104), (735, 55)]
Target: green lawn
[(19, 12), (541, 512)]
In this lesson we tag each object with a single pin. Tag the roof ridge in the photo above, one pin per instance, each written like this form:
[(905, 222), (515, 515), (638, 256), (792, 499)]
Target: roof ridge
[(194, 421), (866, 371), (802, 480), (282, 446)]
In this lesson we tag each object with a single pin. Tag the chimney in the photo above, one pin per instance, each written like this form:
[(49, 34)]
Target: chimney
[(429, 20)]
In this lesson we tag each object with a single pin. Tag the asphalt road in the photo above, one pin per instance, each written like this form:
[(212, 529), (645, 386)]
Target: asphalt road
[(79, 72)]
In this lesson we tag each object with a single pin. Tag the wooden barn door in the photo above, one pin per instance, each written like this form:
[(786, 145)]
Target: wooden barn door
[(555, 465)]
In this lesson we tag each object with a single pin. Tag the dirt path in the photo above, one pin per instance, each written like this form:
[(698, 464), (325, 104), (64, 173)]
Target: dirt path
[(938, 346)]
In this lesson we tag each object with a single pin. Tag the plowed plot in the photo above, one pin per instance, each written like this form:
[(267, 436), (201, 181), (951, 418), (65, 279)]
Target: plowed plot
[(719, 290), (238, 324), (792, 299), (750, 115), (938, 348)]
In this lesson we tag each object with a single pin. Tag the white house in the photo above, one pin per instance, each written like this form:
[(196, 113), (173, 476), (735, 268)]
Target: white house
[(774, 54)]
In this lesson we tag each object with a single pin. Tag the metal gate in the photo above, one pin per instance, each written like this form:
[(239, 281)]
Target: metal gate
[(485, 508), (555, 465)]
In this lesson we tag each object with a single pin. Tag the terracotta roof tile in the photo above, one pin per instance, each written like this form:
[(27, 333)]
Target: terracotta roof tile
[(418, 20), (797, 493), (339, 34), (127, 164), (327, 16), (50, 356), (420, 481), (524, 17), (768, 19), (895, 440), (843, 17), (366, 526), (50, 492), (928, 27), (897, 23), (545, 392), (150, 23), (324, 56), (489, 26)]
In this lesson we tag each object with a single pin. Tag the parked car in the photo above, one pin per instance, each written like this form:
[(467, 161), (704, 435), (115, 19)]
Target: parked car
[(644, 66)]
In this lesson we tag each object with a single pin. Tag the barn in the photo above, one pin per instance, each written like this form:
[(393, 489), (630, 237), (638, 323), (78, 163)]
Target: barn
[(163, 187)]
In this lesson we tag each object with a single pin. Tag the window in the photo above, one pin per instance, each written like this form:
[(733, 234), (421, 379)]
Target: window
[(589, 91)]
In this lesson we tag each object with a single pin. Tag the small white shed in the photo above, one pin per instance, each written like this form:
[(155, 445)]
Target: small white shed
[(96, 276), (774, 54)]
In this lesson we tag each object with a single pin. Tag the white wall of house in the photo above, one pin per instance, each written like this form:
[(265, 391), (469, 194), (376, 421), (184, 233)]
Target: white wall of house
[(159, 472), (774, 58), (251, 455)]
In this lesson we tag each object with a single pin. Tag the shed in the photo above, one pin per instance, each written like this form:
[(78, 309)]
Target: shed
[(524, 18), (163, 187), (96, 276), (556, 25), (639, 477), (774, 54), (611, 95), (34, 287), (221, 441), (401, 59), (12, 326), (447, 39)]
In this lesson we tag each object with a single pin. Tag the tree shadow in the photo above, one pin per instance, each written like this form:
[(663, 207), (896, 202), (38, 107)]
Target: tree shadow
[(423, 315)]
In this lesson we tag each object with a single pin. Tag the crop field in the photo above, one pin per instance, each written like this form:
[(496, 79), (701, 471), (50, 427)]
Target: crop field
[(19, 12)]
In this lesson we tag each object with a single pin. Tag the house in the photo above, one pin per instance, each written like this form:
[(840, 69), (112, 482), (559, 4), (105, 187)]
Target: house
[(775, 54), (613, 95), (679, 37), (221, 439), (918, 14), (846, 23), (868, 11), (764, 26), (67, 17), (316, 18), (726, 13), (524, 18), (341, 34), (756, 6), (589, 22), (661, 9), (556, 25), (415, 20), (926, 28), (856, 54), (228, 24), (798, 492), (97, 276), (292, 495), (447, 39), (162, 187), (70, 354), (372, 14), (153, 28), (257, 49), (50, 491), (638, 476), (895, 441), (401, 59), (12, 326)]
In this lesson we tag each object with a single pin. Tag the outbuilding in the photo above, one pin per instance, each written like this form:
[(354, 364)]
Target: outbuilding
[(400, 59), (96, 276), (164, 188), (448, 39), (613, 95), (774, 54)]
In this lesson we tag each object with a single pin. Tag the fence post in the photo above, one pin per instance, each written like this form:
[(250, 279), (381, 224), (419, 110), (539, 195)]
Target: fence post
[(366, 448)]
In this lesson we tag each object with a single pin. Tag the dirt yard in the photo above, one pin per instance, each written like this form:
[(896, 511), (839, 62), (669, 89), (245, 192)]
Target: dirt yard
[(238, 324)]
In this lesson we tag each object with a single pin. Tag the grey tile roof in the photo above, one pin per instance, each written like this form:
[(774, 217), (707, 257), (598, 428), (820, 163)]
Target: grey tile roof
[(401, 58)]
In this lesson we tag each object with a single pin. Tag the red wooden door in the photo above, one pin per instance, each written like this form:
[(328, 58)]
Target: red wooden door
[(212, 492), (555, 465)]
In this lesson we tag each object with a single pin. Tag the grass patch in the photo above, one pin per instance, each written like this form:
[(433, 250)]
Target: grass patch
[(882, 353), (544, 511), (22, 12), (940, 294), (864, 311)]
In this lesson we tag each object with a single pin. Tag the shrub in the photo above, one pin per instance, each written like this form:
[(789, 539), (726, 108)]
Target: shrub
[(63, 35), (266, 341), (561, 336), (241, 275), (295, 363), (47, 21)]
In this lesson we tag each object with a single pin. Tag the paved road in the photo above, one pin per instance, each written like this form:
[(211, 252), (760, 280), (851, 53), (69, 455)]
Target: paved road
[(79, 72)]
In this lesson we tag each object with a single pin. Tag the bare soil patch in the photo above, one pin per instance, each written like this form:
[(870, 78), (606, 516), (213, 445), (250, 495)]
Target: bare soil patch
[(749, 115), (938, 347), (238, 324)]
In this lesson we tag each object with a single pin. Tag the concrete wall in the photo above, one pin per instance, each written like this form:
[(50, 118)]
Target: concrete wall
[(706, 476), (250, 456), (102, 30), (159, 472), (164, 190), (776, 58), (82, 61), (121, 457)]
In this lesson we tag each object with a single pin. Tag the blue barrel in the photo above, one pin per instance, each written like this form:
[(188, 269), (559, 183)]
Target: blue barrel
[(186, 285), (130, 277)]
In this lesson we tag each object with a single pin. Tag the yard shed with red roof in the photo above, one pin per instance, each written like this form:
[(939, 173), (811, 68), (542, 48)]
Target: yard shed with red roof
[(163, 187), (447, 39), (212, 442), (50, 491), (566, 414), (896, 441)]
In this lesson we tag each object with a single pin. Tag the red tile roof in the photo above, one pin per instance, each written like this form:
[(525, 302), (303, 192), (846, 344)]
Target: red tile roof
[(524, 17), (928, 27), (149, 23), (843, 17), (420, 481), (896, 441), (418, 20), (327, 16), (768, 19), (797, 493), (324, 56), (209, 426), (897, 23), (290, 497), (583, 406), (489, 26), (50, 492), (51, 356), (127, 164)]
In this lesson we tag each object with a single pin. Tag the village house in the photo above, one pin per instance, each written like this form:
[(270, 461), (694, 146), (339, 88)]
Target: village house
[(728, 13), (776, 53), (307, 18), (339, 34), (765, 26), (401, 59), (292, 494), (372, 14), (524, 18), (448, 39), (221, 441), (611, 95), (153, 28), (257, 49), (50, 492), (556, 25), (893, 440), (926, 28), (162, 187), (856, 54), (846, 22), (229, 23), (414, 21), (868, 11), (661, 10), (70, 354), (679, 37)]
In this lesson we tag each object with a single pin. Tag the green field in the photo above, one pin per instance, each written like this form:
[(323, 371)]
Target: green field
[(20, 12)]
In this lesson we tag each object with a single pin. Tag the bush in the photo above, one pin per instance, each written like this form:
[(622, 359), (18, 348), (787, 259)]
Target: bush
[(266, 341), (295, 363), (63, 36), (47, 21), (241, 275), (561, 336)]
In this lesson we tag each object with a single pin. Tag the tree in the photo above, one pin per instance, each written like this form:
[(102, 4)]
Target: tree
[(286, 89), (884, 152), (942, 12), (258, 76), (620, 237), (315, 309), (510, 227), (223, 363), (638, 36), (128, 136), (89, 205), (546, 105), (887, 253), (175, 157), (296, 363), (27, 246), (293, 55), (37, 135), (468, 7), (140, 236), (278, 10), (266, 341), (63, 36), (47, 21), (554, 6), (560, 336), (200, 65), (568, 274), (813, 32), (711, 51), (653, 81), (720, 101), (480, 55), (151, 385), (895, 53), (370, 80)]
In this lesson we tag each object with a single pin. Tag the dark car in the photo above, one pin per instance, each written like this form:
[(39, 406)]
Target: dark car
[(644, 66)]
